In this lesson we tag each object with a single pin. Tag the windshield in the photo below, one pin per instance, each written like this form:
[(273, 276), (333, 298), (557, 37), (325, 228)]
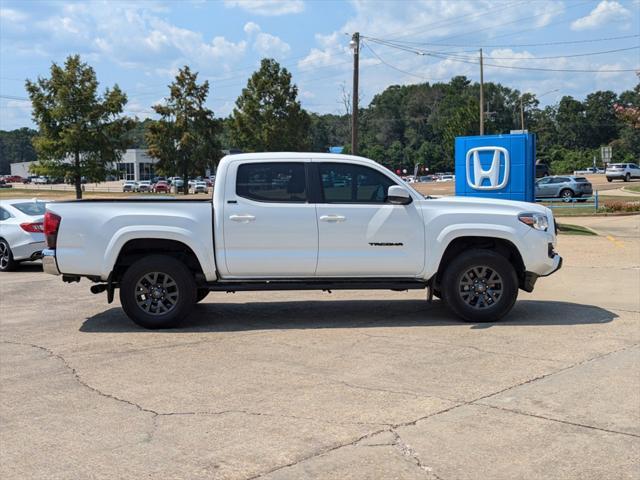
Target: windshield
[(31, 208)]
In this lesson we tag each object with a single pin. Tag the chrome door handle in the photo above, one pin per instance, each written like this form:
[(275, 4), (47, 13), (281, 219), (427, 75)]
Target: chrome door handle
[(242, 218), (332, 218)]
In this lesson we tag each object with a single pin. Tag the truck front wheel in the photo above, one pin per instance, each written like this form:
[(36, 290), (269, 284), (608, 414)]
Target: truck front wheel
[(480, 286), (157, 291)]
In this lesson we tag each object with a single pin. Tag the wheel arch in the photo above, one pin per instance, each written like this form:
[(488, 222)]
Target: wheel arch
[(138, 248), (502, 246), (172, 241)]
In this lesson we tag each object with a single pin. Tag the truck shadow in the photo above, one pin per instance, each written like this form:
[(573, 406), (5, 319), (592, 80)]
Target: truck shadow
[(230, 317)]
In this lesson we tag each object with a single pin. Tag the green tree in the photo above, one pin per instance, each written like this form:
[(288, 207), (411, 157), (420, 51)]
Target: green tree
[(16, 146), (185, 139), (80, 133), (268, 117)]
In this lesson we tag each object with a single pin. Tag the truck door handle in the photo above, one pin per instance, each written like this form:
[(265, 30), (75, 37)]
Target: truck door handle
[(242, 218), (332, 218)]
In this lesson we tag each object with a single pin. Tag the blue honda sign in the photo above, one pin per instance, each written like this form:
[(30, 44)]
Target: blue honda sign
[(497, 166)]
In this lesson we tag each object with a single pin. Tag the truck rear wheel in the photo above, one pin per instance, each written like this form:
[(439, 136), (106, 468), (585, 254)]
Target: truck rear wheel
[(480, 286), (157, 291)]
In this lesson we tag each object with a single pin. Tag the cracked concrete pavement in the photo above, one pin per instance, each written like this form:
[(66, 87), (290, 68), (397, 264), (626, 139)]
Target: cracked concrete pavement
[(290, 385)]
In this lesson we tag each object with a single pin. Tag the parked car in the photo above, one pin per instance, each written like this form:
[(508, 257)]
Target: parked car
[(161, 187), (143, 186), (622, 171), (426, 178), (13, 179), (4, 184), (41, 180), (200, 187), (310, 230), (542, 170), (564, 187), (589, 171), (129, 186), (21, 231), (446, 178)]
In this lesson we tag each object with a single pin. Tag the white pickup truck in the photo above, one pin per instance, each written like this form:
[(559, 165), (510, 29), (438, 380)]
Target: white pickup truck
[(295, 221)]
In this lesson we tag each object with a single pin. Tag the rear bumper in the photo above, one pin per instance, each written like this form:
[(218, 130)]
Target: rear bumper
[(49, 263), (28, 251)]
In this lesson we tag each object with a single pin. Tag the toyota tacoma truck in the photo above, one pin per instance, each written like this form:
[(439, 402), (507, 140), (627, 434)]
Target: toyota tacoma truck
[(295, 221)]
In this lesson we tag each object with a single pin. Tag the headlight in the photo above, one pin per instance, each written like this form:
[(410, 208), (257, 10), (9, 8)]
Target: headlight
[(535, 220)]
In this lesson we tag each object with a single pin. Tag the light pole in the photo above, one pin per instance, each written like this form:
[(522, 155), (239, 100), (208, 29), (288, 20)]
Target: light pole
[(355, 46)]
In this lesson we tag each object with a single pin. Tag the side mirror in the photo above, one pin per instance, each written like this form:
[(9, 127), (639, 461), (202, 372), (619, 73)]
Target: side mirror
[(398, 195)]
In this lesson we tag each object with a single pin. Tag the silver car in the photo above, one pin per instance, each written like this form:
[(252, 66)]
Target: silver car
[(564, 187), (622, 171), (21, 231)]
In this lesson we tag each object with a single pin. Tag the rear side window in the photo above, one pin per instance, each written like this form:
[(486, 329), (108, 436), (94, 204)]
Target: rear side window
[(31, 208), (4, 215), (350, 183), (581, 179), (272, 182)]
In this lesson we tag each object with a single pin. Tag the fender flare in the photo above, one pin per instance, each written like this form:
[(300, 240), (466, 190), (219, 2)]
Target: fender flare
[(203, 253)]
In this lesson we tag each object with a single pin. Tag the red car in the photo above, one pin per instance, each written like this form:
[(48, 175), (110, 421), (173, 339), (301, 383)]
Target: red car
[(161, 187)]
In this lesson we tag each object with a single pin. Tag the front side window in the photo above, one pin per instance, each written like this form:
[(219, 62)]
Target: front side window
[(272, 182), (350, 183)]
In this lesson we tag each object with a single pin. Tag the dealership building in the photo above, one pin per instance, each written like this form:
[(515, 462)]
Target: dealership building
[(135, 164)]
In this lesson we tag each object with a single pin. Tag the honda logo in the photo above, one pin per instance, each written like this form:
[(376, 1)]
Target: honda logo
[(492, 174)]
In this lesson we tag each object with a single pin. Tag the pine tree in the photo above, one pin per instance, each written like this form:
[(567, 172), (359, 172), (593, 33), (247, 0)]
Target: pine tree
[(185, 139), (268, 117)]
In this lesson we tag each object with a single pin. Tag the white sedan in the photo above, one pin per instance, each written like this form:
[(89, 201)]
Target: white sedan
[(21, 233)]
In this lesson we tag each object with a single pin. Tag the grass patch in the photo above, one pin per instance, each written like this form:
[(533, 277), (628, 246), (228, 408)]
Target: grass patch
[(632, 188), (569, 229)]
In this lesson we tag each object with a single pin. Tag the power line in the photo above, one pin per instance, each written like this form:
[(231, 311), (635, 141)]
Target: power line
[(516, 45), (445, 56), (588, 54), (399, 69)]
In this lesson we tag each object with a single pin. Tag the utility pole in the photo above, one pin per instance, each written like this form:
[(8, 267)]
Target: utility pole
[(521, 115), (355, 45), (481, 96)]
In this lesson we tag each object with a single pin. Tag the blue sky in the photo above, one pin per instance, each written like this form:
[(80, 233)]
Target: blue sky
[(140, 45)]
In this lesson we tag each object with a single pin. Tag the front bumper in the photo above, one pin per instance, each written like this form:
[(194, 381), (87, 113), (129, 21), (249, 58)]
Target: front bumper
[(49, 263), (530, 278)]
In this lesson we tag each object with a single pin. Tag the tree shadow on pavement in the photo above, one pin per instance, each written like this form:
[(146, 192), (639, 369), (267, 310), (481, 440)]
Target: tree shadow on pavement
[(230, 317)]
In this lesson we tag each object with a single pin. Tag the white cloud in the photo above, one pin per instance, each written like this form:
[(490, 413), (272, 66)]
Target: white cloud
[(270, 45), (268, 7), (11, 15), (607, 11), (251, 28), (265, 43), (133, 37)]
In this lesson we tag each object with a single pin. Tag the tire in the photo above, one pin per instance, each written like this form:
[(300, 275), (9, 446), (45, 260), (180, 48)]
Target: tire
[(609, 179), (202, 294), (7, 263), (158, 291), (627, 177), (566, 195), (481, 303)]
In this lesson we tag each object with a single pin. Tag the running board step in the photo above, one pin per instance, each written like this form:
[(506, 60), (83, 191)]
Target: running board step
[(325, 284)]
